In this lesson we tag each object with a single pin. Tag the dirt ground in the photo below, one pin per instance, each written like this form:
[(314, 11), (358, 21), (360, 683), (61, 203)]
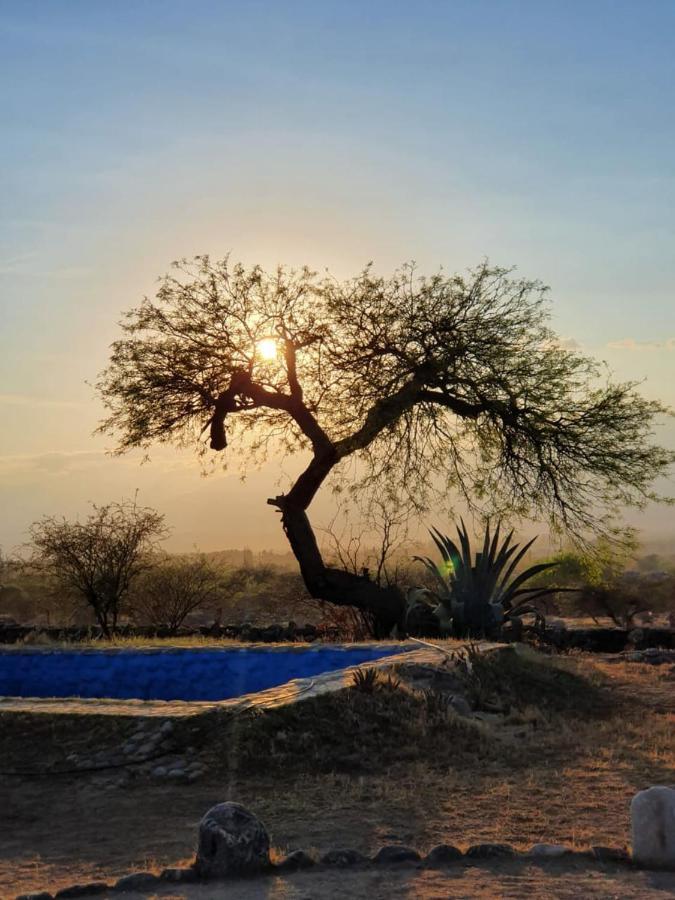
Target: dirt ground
[(565, 779), (567, 882)]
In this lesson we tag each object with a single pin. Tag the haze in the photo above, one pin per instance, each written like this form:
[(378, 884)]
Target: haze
[(324, 133)]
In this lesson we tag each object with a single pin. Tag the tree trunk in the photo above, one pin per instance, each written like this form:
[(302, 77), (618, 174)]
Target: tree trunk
[(336, 585)]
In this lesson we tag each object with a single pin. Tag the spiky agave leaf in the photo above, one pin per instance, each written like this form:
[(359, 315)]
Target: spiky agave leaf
[(483, 591)]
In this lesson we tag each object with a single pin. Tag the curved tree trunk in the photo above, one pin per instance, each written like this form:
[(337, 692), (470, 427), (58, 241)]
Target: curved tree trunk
[(323, 582)]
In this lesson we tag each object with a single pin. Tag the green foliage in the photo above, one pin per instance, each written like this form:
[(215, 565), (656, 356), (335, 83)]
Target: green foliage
[(479, 593), (458, 376)]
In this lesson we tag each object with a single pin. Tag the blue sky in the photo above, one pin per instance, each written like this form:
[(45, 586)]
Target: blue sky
[(539, 134)]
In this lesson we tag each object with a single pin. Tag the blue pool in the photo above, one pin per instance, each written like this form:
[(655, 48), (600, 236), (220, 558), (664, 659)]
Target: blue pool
[(171, 674)]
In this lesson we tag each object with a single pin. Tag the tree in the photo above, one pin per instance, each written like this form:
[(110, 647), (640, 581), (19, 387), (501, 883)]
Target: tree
[(99, 559), (432, 385), (173, 587)]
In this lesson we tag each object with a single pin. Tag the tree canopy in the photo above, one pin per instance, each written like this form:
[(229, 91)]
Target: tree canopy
[(100, 558), (435, 384)]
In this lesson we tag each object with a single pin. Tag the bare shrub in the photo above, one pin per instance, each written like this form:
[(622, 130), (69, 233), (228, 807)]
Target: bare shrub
[(172, 588)]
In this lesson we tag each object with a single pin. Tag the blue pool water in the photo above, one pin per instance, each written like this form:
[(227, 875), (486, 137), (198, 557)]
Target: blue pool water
[(172, 674)]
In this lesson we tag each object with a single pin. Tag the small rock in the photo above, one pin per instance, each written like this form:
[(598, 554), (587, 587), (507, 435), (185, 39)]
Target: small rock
[(138, 881), (82, 890), (41, 895), (610, 854), (461, 706), (443, 855), (177, 775), (548, 851), (652, 815), (490, 851), (179, 875), (395, 853), (166, 729), (159, 772), (344, 857), (232, 841), (294, 861), (145, 750)]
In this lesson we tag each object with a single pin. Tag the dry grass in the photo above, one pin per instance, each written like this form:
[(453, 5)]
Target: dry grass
[(575, 740)]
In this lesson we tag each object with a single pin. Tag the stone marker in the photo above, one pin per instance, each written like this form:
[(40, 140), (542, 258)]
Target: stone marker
[(652, 815), (490, 851), (396, 853), (343, 857), (137, 881), (232, 841), (443, 855), (178, 875), (81, 890), (295, 861), (548, 851)]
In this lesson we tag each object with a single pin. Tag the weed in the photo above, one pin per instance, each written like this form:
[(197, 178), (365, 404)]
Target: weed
[(365, 680)]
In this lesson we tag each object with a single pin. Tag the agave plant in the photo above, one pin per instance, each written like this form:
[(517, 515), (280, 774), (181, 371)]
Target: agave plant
[(480, 594)]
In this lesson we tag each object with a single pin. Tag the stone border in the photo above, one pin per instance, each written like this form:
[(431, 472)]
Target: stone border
[(391, 855), (281, 695)]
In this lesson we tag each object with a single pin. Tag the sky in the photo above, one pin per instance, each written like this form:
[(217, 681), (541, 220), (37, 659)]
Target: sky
[(537, 134)]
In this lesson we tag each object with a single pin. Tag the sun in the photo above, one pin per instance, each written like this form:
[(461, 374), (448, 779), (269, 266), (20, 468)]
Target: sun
[(267, 348)]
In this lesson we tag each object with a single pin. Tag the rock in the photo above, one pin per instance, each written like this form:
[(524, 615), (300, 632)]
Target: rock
[(272, 634), (490, 851), (177, 774), (138, 881), (461, 706), (159, 772), (232, 841), (344, 857), (610, 854), (178, 875), (395, 853), (195, 775), (41, 895), (294, 861), (82, 890), (548, 851), (443, 855), (653, 827), (145, 750), (167, 728)]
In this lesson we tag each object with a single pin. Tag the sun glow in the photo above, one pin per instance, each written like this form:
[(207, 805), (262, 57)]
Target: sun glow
[(267, 349)]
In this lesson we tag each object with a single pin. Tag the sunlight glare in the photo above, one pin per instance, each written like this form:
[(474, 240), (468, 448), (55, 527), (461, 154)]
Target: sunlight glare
[(267, 349)]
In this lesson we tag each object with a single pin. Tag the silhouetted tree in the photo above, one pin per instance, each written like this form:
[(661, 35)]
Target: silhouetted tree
[(173, 587), (98, 559), (431, 384)]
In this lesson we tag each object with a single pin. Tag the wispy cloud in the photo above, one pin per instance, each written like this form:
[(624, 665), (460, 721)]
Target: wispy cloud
[(632, 345), (33, 467), (53, 461)]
